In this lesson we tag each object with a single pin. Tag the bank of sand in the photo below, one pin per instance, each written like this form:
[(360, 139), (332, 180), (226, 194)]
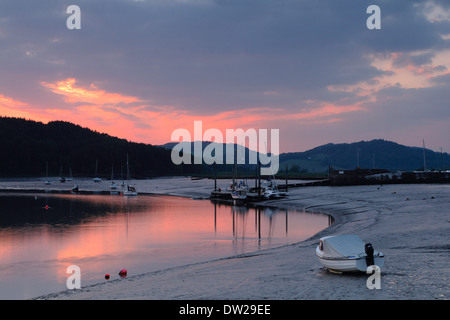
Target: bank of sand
[(410, 224)]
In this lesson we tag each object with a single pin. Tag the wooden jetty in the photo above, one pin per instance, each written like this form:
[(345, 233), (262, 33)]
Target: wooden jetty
[(226, 195)]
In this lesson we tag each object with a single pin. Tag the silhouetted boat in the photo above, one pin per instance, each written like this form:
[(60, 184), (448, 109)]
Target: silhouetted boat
[(129, 191), (47, 181), (96, 179), (114, 188), (70, 178), (61, 178)]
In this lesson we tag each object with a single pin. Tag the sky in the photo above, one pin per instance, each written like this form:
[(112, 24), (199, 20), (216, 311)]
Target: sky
[(313, 70)]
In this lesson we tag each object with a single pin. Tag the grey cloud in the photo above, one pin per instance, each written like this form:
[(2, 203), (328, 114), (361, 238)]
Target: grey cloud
[(443, 79), (207, 56), (412, 106), (416, 60)]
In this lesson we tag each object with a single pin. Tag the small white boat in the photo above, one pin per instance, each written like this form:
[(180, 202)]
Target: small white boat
[(239, 194), (270, 192), (239, 191), (347, 253), (130, 192)]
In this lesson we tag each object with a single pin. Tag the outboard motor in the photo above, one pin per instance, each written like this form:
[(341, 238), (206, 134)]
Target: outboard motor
[(369, 251)]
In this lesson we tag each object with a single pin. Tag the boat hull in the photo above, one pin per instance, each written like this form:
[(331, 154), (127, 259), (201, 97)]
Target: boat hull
[(239, 195), (130, 194), (353, 264)]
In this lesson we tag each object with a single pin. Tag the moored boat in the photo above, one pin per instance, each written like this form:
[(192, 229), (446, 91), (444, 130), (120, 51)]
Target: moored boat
[(347, 253), (129, 190), (96, 178), (239, 194), (47, 181), (114, 188), (61, 178), (239, 191)]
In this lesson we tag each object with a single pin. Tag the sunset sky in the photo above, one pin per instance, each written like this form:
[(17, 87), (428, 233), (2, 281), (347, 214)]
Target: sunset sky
[(310, 68)]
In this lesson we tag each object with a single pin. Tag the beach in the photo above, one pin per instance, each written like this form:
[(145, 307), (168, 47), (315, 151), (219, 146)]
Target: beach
[(409, 223)]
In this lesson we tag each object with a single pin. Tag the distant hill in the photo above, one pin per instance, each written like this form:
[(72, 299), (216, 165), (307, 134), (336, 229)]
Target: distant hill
[(26, 146), (248, 154), (377, 153), (245, 166), (370, 154)]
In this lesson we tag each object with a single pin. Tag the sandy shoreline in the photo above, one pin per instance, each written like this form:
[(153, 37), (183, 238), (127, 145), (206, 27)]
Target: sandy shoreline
[(410, 224)]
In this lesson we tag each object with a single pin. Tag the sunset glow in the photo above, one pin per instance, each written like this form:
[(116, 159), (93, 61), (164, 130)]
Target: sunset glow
[(14, 108), (179, 149), (141, 81)]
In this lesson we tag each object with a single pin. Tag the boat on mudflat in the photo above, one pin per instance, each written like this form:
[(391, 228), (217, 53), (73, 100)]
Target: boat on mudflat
[(129, 190), (347, 253)]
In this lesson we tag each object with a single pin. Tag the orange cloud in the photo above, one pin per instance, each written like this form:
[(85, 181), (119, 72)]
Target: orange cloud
[(9, 102), (108, 112), (74, 93)]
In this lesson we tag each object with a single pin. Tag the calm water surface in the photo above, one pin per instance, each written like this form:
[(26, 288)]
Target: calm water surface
[(42, 234)]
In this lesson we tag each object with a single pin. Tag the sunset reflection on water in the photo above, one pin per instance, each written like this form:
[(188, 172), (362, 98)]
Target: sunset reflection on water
[(103, 234)]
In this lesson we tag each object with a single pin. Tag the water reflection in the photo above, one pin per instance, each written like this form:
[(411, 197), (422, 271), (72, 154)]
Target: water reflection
[(266, 224), (40, 235)]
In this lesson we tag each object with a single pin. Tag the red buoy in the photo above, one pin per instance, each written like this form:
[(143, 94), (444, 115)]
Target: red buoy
[(107, 276), (46, 207), (123, 273)]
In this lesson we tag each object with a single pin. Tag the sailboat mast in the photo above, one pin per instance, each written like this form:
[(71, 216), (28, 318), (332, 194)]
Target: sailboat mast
[(128, 170), (424, 159)]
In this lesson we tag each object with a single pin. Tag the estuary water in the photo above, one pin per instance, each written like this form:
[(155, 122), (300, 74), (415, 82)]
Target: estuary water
[(41, 235)]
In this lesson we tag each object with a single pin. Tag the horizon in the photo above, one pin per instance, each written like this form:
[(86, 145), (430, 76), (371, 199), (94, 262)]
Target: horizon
[(139, 70)]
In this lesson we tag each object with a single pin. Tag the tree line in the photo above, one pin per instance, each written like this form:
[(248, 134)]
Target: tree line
[(29, 147)]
